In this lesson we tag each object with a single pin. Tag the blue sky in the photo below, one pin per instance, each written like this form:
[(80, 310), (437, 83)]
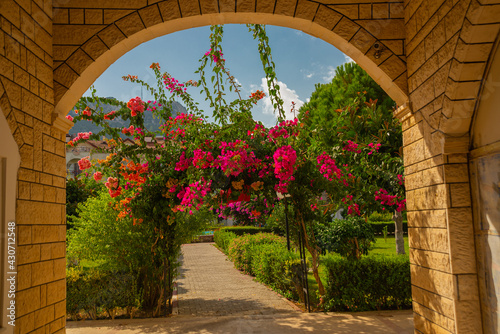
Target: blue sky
[(301, 62)]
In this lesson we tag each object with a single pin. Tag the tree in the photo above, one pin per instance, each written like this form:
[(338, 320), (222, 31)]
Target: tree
[(352, 114)]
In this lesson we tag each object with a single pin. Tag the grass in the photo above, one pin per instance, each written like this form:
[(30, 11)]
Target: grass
[(387, 247)]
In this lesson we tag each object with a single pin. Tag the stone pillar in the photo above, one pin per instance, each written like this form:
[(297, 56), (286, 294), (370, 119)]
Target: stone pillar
[(440, 229)]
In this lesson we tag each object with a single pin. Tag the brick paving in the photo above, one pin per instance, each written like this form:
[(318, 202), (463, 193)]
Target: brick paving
[(208, 284)]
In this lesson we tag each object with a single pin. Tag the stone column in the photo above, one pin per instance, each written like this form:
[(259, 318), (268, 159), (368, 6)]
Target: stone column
[(440, 229)]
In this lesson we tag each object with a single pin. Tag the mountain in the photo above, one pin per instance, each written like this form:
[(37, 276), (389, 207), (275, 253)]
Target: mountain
[(150, 121)]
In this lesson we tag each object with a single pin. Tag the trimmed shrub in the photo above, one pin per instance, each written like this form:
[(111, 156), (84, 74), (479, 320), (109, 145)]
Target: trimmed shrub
[(223, 238), (350, 237), (92, 289), (273, 264), (242, 230), (378, 227), (241, 249), (370, 283)]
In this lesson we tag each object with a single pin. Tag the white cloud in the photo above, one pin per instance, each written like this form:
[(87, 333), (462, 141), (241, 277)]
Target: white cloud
[(348, 59), (288, 95), (307, 74), (330, 73)]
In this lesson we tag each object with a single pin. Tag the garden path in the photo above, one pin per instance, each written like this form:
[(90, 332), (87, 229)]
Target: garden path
[(208, 284), (215, 298)]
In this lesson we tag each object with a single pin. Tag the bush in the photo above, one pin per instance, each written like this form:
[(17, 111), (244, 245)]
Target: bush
[(241, 249), (371, 283), (242, 230), (91, 290), (378, 227), (273, 264), (380, 217), (223, 238), (351, 237)]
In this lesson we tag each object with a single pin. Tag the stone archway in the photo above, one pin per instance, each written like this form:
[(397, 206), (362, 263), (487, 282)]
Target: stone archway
[(373, 38), (50, 52)]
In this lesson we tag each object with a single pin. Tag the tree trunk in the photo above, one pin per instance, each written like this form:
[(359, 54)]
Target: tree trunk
[(398, 223), (314, 255)]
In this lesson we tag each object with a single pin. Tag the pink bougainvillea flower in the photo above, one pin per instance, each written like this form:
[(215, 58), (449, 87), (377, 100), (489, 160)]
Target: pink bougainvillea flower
[(109, 114), (97, 176), (69, 117)]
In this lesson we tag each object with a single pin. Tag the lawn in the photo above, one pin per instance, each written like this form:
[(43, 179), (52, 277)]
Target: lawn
[(387, 247)]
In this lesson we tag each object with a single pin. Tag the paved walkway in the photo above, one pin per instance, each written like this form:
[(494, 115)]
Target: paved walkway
[(208, 284), (213, 297)]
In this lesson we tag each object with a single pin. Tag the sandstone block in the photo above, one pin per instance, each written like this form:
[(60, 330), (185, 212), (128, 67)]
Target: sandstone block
[(130, 24), (346, 28), (169, 10), (24, 277), (431, 260), (265, 6), (393, 67), (434, 317), (38, 213), (434, 240), (28, 301), (26, 324), (440, 304), (76, 16), (111, 35), (44, 316), (460, 195), (75, 34), (468, 317), (380, 10), (150, 15), (327, 17), (42, 272), (59, 269), (432, 280), (60, 309), (37, 192), (397, 10), (26, 153), (384, 29), (246, 6), (306, 9), (45, 252), (65, 75), (350, 11), (285, 7), (79, 61), (363, 40), (365, 11), (94, 16), (57, 324), (61, 16), (56, 291)]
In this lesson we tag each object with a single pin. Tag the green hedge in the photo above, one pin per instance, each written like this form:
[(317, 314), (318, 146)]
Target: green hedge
[(273, 265), (370, 283), (241, 230), (241, 249), (223, 238), (94, 290), (378, 227)]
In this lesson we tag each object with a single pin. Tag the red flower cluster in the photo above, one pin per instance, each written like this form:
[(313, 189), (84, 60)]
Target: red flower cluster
[(352, 147), (328, 167), (285, 129), (390, 200), (136, 106), (257, 95), (109, 114), (113, 188), (84, 163), (202, 159), (192, 196), (284, 162), (173, 85)]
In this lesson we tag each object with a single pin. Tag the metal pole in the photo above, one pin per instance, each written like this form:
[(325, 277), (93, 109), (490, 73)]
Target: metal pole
[(287, 228)]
